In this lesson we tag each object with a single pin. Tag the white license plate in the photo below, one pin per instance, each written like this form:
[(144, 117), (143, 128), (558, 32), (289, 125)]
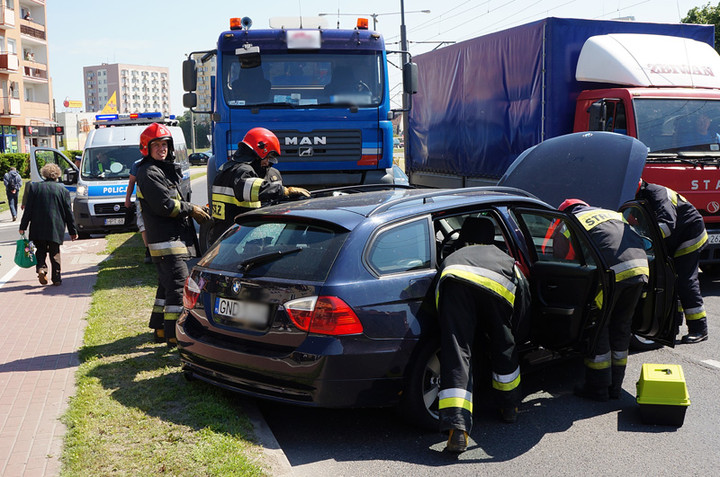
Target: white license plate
[(115, 221), (714, 238), (243, 312)]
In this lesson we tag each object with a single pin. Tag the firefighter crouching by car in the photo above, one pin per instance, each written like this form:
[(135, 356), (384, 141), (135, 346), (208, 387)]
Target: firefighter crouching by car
[(684, 234), (170, 232), (248, 181), (624, 251), (480, 289)]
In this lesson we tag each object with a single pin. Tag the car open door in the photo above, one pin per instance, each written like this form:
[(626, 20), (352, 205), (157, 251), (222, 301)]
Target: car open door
[(655, 315), (39, 156), (568, 289)]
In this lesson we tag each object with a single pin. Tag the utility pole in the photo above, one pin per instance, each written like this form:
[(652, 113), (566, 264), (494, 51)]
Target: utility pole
[(404, 48), (192, 129)]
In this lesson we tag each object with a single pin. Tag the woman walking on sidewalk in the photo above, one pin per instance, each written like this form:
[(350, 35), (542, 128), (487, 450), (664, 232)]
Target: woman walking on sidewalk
[(48, 211)]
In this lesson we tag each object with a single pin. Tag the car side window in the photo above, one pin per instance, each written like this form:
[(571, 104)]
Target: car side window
[(401, 248), (553, 238)]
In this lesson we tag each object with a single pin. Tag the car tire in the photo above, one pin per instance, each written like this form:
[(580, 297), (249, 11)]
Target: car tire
[(419, 402), (206, 231)]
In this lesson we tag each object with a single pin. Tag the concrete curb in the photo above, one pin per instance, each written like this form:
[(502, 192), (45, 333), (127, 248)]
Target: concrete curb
[(274, 457)]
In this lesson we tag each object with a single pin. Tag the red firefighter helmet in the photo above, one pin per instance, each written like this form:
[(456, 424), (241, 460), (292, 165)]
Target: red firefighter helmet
[(262, 141), (154, 132), (567, 203)]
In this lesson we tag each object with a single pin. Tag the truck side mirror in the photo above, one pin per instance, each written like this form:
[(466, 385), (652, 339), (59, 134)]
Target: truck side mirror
[(410, 78), (598, 116), (189, 100), (189, 73)]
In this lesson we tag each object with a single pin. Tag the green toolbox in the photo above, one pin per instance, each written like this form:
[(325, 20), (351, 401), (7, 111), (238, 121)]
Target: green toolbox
[(662, 394)]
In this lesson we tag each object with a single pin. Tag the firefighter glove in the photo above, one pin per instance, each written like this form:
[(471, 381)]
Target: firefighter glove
[(296, 192), (199, 214)]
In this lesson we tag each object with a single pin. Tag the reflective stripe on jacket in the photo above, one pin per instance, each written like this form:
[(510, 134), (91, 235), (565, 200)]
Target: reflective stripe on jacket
[(622, 248)]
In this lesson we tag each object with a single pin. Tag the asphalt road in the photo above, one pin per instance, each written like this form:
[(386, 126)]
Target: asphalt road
[(556, 433)]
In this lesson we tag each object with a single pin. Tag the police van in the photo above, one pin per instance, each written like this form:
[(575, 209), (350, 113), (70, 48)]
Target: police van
[(98, 183)]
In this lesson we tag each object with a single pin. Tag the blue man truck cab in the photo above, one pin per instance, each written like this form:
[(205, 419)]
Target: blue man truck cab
[(323, 92), (99, 184)]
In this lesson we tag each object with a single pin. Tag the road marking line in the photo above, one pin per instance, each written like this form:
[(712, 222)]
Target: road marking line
[(9, 275), (712, 362)]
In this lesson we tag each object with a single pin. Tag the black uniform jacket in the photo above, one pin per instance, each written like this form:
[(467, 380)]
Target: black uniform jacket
[(169, 228)]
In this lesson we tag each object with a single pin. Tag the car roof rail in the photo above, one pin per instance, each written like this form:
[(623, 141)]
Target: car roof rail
[(436, 193), (354, 189)]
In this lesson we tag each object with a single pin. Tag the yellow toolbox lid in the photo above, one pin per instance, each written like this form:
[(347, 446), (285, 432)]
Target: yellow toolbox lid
[(662, 384)]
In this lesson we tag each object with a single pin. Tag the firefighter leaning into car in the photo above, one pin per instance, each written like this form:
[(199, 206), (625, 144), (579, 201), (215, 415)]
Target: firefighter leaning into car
[(684, 233), (623, 250), (170, 231), (480, 290), (248, 181)]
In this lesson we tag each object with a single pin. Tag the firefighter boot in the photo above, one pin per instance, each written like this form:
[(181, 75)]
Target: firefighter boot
[(457, 442), (159, 335), (697, 331), (615, 389), (596, 385), (169, 328)]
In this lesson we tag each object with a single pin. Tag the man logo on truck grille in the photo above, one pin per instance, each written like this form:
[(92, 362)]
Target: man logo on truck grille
[(305, 151), (713, 207)]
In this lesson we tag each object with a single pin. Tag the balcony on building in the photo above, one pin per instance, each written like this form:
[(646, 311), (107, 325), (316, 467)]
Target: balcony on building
[(7, 17), (9, 106), (8, 63), (35, 74), (32, 32)]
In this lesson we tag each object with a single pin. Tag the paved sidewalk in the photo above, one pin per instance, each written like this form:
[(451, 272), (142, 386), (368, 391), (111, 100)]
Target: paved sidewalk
[(41, 328)]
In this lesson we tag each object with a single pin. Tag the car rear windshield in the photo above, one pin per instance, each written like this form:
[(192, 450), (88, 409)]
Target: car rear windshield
[(288, 250)]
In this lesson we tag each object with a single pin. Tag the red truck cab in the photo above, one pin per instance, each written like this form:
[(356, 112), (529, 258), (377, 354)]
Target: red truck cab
[(676, 115)]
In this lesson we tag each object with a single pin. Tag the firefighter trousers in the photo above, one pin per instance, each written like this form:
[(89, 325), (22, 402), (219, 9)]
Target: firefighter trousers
[(465, 311), (688, 283), (605, 365), (172, 272)]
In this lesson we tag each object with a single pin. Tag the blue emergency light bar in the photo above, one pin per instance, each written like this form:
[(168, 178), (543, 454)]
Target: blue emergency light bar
[(116, 117)]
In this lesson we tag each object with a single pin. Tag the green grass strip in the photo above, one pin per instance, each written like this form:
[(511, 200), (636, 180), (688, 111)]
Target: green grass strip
[(133, 412)]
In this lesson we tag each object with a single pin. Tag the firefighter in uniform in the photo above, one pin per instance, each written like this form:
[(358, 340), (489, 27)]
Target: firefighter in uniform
[(480, 289), (623, 250), (248, 181), (170, 232), (684, 233)]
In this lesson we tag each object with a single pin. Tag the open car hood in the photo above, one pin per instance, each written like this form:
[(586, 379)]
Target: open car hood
[(601, 168)]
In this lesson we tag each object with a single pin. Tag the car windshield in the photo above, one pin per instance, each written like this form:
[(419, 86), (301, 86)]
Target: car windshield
[(666, 124), (306, 79), (276, 249), (109, 163)]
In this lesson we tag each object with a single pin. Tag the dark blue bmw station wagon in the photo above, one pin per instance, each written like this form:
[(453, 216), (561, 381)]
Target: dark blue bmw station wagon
[(330, 301)]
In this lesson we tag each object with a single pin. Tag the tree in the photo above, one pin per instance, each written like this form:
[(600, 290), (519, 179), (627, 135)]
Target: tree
[(202, 129), (707, 15)]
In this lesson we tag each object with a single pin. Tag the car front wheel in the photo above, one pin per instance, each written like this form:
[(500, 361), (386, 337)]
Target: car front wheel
[(419, 403)]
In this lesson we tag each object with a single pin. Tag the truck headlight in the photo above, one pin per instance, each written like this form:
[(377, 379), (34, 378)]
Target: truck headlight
[(81, 191)]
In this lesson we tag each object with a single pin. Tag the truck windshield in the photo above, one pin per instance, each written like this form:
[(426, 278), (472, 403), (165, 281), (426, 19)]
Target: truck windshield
[(322, 79), (678, 124), (108, 163)]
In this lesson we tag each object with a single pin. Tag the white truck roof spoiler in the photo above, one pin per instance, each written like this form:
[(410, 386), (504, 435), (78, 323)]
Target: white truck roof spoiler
[(648, 60)]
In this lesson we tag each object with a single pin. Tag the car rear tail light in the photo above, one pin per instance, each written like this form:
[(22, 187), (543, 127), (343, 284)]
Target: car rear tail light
[(327, 315), (191, 293)]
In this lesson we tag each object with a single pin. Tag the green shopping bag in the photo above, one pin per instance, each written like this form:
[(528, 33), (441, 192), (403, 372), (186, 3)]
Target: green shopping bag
[(24, 255)]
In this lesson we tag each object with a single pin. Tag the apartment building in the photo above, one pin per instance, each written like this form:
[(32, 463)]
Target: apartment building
[(205, 73), (26, 112), (137, 89)]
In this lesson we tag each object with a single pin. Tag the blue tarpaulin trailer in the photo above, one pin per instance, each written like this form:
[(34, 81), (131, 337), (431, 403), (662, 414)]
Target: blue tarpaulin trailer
[(482, 102)]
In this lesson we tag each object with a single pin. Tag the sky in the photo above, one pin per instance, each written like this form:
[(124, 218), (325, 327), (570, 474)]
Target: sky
[(162, 32)]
